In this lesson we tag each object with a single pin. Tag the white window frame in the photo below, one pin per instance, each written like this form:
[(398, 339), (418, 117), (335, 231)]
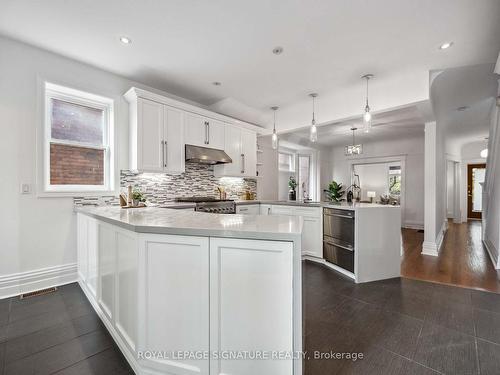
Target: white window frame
[(53, 91)]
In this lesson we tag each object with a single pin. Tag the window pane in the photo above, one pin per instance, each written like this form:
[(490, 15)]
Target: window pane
[(73, 122), (477, 190), (395, 185), (72, 165), (304, 163)]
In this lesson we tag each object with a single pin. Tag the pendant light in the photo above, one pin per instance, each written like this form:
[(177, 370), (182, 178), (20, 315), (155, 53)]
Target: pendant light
[(274, 139), (367, 115), (313, 134), (484, 152), (353, 149)]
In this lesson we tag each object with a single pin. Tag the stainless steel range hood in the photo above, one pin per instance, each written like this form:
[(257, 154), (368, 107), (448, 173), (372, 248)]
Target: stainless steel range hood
[(205, 155)]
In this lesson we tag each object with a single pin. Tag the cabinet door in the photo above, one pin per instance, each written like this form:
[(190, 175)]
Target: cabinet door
[(107, 269), (82, 248), (249, 152), (250, 304), (265, 209), (174, 301), (196, 132), (174, 140), (216, 134), (232, 146), (92, 255), (248, 209), (282, 210), (150, 136), (312, 243)]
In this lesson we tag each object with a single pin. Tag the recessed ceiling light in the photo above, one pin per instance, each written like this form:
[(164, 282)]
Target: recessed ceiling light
[(278, 50), (125, 40), (216, 83), (463, 108), (446, 45)]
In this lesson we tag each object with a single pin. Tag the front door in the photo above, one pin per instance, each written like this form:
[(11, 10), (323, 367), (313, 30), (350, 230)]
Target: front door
[(475, 179)]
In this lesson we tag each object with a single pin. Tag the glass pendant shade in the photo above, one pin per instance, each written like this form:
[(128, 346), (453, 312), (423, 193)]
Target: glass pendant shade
[(274, 140), (313, 136), (367, 116)]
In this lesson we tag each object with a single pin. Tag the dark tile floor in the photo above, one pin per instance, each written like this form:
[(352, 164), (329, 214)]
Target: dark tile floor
[(58, 333), (401, 326)]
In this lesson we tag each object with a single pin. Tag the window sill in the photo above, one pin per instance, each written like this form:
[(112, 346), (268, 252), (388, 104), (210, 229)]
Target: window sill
[(71, 194)]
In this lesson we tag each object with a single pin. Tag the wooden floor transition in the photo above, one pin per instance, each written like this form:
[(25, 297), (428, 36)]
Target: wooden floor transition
[(463, 260)]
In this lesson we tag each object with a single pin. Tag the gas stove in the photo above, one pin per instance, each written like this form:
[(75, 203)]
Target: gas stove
[(211, 204)]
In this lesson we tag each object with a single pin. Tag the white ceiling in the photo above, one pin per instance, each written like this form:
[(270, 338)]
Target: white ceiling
[(182, 46), (395, 124), (471, 86)]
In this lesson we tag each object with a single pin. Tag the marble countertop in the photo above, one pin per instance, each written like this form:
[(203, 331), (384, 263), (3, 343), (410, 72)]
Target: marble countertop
[(186, 222)]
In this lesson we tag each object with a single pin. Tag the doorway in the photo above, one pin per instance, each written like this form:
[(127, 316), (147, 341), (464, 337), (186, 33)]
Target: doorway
[(475, 180)]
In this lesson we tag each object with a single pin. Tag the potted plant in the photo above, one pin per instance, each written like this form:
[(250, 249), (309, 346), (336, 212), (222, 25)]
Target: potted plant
[(137, 198), (334, 192), (292, 184)]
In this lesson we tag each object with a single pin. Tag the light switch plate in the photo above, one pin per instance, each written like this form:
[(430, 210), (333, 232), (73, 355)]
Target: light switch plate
[(25, 189)]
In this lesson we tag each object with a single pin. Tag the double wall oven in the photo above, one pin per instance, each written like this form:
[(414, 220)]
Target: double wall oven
[(338, 237)]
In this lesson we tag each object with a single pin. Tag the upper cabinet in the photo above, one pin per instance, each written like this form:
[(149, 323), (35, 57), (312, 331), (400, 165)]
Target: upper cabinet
[(204, 132), (160, 127), (241, 146), (156, 137)]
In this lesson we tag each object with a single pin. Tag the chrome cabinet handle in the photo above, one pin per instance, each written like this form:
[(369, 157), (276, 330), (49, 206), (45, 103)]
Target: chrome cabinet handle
[(165, 158), (243, 209), (337, 245), (336, 215), (208, 133), (242, 163), (269, 210)]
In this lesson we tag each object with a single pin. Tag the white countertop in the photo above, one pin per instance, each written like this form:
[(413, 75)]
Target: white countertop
[(184, 222)]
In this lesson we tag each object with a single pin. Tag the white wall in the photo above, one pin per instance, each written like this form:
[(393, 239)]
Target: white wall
[(37, 233), (491, 193), (450, 188), (338, 167)]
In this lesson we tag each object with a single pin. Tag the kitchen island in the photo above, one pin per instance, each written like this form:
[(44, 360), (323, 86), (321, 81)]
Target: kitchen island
[(185, 292)]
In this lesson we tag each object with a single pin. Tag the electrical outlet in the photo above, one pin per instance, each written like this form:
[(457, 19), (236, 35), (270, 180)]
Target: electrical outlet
[(25, 189)]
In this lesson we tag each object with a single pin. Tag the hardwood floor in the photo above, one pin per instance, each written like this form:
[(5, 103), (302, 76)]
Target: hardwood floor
[(462, 261)]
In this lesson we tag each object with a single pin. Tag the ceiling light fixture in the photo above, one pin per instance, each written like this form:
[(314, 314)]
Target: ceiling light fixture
[(278, 50), (367, 116), (216, 83), (313, 134), (274, 139), (446, 45), (354, 149), (463, 108), (484, 152), (125, 40)]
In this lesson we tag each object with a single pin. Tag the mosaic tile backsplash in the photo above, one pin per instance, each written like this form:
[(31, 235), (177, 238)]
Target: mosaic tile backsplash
[(160, 188)]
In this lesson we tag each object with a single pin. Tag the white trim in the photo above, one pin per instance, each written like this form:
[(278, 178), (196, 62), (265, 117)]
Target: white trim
[(30, 281), (48, 90), (133, 93), (493, 253), (413, 224), (433, 248), (329, 265)]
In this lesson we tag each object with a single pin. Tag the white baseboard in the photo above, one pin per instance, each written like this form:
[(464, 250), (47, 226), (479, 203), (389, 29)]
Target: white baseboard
[(433, 248), (25, 282), (493, 253), (330, 265), (413, 225)]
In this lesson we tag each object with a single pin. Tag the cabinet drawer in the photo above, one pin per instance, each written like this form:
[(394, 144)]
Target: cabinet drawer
[(248, 209), (308, 211)]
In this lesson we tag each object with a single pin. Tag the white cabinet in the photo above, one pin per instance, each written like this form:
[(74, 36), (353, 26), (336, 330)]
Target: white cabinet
[(157, 137), (248, 209), (312, 232), (241, 146), (174, 301), (87, 252), (265, 209), (205, 132), (251, 303)]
